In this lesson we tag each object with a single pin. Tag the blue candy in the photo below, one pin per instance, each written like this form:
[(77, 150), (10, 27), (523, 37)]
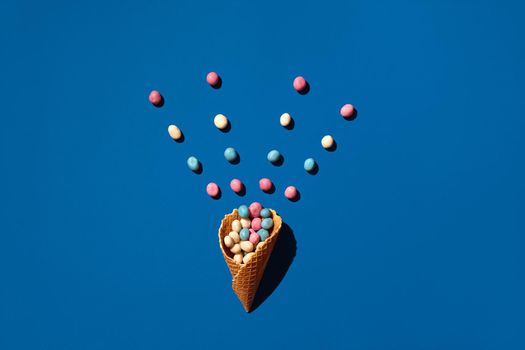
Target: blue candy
[(263, 234), (230, 154), (267, 223), (309, 164), (265, 213), (243, 211), (245, 234), (274, 156), (193, 163)]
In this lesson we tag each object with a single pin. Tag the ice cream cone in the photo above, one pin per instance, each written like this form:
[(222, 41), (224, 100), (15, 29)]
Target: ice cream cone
[(246, 277)]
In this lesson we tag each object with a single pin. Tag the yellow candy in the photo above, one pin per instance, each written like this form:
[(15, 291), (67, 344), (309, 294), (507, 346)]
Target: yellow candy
[(236, 248), (228, 241), (247, 246), (236, 226), (220, 121), (174, 132), (247, 257), (235, 236), (327, 141), (246, 223), (238, 258)]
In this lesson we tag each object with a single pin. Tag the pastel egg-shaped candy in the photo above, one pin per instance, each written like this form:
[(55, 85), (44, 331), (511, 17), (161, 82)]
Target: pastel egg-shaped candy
[(243, 211), (247, 257), (265, 213), (174, 132), (213, 190), (256, 224), (247, 246), (327, 142), (155, 98), (193, 163), (267, 223), (246, 223), (347, 111), (236, 185), (285, 120), (274, 156), (309, 164), (263, 233), (236, 249), (255, 209), (235, 236), (230, 154), (236, 226), (213, 79), (299, 84), (220, 121), (291, 192), (228, 241), (238, 258), (265, 184), (245, 234), (254, 238)]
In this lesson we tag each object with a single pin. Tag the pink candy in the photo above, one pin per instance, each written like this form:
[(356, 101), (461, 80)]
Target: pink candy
[(254, 237), (299, 84), (155, 98), (255, 209), (290, 192), (347, 111), (213, 190), (236, 185), (265, 184), (256, 224), (213, 79)]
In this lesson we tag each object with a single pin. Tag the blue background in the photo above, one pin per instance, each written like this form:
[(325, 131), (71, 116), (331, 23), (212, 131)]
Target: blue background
[(409, 237)]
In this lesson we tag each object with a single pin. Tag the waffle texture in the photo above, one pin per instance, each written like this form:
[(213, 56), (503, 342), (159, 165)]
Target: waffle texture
[(246, 277)]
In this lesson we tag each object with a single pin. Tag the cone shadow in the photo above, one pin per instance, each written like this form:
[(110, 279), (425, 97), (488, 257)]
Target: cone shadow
[(282, 257)]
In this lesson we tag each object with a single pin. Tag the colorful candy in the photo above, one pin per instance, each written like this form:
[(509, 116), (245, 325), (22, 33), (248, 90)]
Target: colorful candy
[(245, 223), (255, 209), (213, 79), (285, 119), (236, 249), (290, 192), (228, 242), (254, 238), (174, 132), (267, 223), (309, 164), (245, 234), (236, 226), (347, 111), (243, 211), (263, 233), (155, 98), (274, 156), (193, 163), (236, 185), (230, 154), (299, 84), (238, 258), (265, 213), (213, 189), (247, 257), (265, 184), (220, 121), (235, 236), (247, 246), (256, 223), (327, 142)]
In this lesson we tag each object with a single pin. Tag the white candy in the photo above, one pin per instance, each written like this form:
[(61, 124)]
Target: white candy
[(174, 132), (235, 236), (236, 248), (228, 241), (285, 119), (246, 223), (247, 257), (238, 258), (220, 121), (236, 226), (327, 141), (247, 246)]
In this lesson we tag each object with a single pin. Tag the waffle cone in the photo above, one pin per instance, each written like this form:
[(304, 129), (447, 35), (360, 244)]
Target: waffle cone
[(246, 277)]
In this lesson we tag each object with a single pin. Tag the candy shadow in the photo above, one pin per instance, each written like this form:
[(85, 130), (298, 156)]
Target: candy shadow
[(235, 161), (306, 89), (218, 196), (291, 125), (296, 198), (280, 161), (218, 85), (271, 190), (314, 170), (242, 192), (181, 139), (227, 128), (332, 148), (278, 264), (161, 103), (352, 116), (199, 170)]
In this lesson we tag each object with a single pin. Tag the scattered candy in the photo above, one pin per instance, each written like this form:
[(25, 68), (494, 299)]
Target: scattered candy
[(236, 226), (263, 233), (230, 154), (213, 79), (247, 257), (174, 132), (236, 185), (347, 111), (212, 189), (235, 236), (274, 156), (265, 213), (265, 184), (245, 234), (299, 84), (220, 121), (290, 192), (327, 142), (309, 164), (193, 164), (255, 209), (285, 120), (245, 223), (247, 246), (155, 98), (267, 223), (228, 242), (238, 258), (256, 223), (243, 211)]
